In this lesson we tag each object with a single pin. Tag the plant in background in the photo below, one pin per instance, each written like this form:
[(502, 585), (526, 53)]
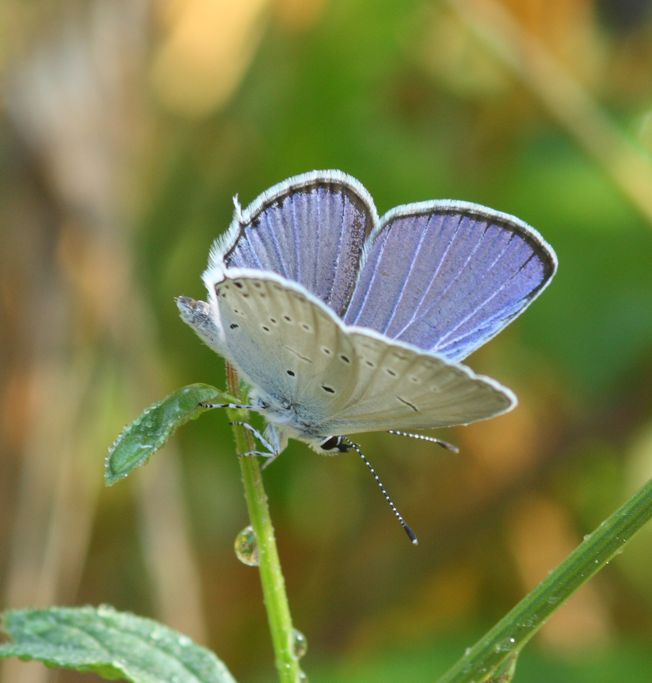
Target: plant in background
[(338, 322)]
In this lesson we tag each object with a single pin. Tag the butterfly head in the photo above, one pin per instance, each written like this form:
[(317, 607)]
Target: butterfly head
[(334, 443)]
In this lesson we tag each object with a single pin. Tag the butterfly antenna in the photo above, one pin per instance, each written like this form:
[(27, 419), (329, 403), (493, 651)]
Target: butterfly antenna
[(406, 527), (237, 213), (424, 437), (230, 406)]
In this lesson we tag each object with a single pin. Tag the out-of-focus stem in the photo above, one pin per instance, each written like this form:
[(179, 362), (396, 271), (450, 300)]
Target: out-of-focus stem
[(514, 630)]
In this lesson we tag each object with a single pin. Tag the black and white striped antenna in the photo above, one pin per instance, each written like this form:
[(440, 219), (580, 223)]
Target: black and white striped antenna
[(426, 437), (406, 527)]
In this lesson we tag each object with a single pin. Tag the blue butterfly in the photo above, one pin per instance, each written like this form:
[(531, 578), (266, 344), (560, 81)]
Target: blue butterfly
[(343, 322)]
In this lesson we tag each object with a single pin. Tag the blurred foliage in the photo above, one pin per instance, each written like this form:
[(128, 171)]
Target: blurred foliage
[(627, 663), (126, 128)]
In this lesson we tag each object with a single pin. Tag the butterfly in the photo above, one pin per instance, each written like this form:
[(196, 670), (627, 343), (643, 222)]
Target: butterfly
[(343, 322)]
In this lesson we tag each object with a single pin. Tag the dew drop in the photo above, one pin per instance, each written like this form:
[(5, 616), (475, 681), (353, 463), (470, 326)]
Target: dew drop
[(246, 547), (506, 645), (184, 641), (104, 611), (303, 678), (156, 633), (299, 644)]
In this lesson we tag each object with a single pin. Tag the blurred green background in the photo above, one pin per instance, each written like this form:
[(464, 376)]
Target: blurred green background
[(126, 126)]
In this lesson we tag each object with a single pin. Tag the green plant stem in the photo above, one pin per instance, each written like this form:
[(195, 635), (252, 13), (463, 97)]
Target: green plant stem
[(271, 576), (514, 630)]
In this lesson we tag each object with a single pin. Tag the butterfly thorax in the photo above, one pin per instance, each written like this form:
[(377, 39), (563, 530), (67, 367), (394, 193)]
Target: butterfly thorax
[(289, 420)]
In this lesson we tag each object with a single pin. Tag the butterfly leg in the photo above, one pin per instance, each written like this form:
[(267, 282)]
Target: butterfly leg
[(270, 454), (269, 457), (277, 441)]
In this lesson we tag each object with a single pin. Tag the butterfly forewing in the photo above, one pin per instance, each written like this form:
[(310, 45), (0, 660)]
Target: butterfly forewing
[(309, 229), (286, 344), (447, 276)]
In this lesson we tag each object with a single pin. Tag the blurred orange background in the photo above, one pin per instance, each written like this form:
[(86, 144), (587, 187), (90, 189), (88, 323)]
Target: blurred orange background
[(126, 127)]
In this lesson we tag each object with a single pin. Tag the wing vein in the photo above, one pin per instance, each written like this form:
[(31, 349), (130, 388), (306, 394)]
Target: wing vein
[(432, 279), (429, 309), (409, 273), (482, 305)]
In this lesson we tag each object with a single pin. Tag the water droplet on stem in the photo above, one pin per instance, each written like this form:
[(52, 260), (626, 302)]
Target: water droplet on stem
[(506, 645), (246, 547), (299, 644)]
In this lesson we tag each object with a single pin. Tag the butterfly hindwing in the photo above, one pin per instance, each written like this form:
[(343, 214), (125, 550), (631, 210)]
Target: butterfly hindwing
[(340, 379), (447, 276), (402, 388)]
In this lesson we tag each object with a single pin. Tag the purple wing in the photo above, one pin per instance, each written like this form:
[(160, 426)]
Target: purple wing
[(447, 276), (309, 229)]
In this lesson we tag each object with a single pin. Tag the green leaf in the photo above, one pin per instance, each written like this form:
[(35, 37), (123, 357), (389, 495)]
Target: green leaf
[(114, 645), (145, 435)]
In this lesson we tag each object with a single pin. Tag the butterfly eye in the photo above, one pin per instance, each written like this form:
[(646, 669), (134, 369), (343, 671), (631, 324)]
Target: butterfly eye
[(329, 443)]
